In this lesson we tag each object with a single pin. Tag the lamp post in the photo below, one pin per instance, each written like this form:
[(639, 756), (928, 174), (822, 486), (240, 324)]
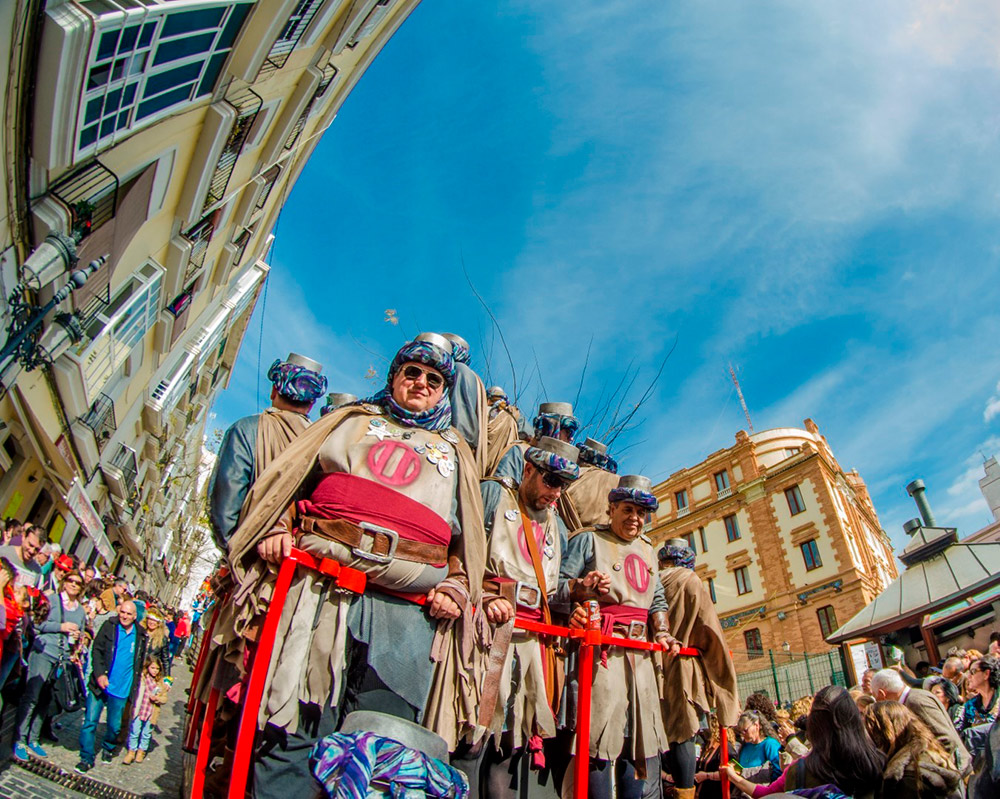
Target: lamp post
[(26, 343)]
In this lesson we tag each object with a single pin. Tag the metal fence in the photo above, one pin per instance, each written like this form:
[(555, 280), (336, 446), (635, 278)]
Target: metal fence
[(786, 676)]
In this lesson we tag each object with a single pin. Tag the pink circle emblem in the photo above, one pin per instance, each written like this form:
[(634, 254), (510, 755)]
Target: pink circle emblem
[(522, 541), (389, 470), (637, 573)]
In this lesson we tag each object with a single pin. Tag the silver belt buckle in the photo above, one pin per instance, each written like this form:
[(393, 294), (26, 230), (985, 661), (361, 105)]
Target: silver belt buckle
[(637, 630), (367, 554), (534, 604)]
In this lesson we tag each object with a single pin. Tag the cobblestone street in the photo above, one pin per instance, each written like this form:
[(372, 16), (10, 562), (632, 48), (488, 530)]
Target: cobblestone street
[(158, 776)]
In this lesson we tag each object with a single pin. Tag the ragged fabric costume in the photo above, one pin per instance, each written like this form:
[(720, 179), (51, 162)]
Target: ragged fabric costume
[(251, 443), (392, 493), (584, 502), (625, 706), (691, 687), (553, 419)]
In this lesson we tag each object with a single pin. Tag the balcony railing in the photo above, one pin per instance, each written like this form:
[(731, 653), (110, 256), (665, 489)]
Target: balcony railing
[(122, 472), (199, 236), (91, 195), (101, 419), (329, 73), (683, 511), (724, 493), (270, 178), (288, 39), (247, 104)]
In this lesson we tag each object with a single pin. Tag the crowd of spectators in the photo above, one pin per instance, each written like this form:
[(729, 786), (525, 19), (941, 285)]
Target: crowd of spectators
[(74, 639), (932, 732)]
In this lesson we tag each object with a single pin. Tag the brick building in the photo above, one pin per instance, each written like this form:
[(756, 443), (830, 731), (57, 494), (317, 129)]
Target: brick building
[(788, 544)]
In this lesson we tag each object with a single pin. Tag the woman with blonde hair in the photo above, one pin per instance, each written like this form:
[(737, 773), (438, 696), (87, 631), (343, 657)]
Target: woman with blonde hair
[(917, 765), (159, 641)]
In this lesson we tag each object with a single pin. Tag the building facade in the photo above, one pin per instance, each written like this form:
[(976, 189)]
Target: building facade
[(788, 544), (162, 136)]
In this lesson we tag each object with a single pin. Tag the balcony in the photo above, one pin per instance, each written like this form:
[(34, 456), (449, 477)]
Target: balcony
[(200, 236), (288, 39), (270, 178), (329, 73), (122, 474), (101, 419), (683, 512), (91, 196), (247, 104), (724, 493)]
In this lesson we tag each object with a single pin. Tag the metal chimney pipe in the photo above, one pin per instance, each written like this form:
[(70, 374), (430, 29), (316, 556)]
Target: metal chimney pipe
[(916, 490)]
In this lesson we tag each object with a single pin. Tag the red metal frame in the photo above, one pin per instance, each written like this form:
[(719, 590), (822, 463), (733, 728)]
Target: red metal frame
[(204, 745), (354, 580), (203, 654)]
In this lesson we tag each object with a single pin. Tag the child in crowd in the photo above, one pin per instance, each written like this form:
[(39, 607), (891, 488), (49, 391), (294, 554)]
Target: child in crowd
[(152, 693)]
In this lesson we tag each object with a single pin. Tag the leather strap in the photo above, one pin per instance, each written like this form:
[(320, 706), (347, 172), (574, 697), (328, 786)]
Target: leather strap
[(494, 671), (352, 535), (548, 654)]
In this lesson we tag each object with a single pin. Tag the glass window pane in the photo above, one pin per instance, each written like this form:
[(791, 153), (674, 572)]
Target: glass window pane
[(171, 78), (88, 136), (108, 45), (212, 69), (147, 34), (119, 68), (233, 25), (107, 127), (129, 94), (123, 120), (93, 110), (192, 21), (183, 47), (111, 100), (129, 35), (149, 107), (138, 64)]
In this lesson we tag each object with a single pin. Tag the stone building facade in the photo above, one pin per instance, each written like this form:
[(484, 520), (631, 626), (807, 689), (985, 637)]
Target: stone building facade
[(165, 136), (788, 544)]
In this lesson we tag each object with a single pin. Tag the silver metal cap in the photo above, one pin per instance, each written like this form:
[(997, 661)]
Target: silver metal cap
[(677, 542), (337, 400), (436, 339), (457, 339), (304, 362), (636, 481), (562, 408), (597, 446), (495, 391), (558, 447)]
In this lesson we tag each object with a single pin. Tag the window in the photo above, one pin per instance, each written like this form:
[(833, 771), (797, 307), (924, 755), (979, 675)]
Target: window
[(810, 553), (711, 589), (721, 480), (681, 498), (146, 67), (112, 333), (743, 581), (690, 539), (792, 451), (732, 527), (827, 620), (704, 541), (755, 647), (795, 503)]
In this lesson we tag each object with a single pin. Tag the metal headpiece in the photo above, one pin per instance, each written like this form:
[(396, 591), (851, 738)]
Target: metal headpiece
[(558, 447), (636, 481), (454, 338), (562, 408), (304, 362), (437, 340), (597, 446)]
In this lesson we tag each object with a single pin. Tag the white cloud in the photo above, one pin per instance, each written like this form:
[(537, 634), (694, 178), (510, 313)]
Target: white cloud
[(992, 406)]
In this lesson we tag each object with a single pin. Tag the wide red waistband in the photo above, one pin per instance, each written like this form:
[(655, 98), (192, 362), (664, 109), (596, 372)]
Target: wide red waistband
[(621, 614), (345, 496)]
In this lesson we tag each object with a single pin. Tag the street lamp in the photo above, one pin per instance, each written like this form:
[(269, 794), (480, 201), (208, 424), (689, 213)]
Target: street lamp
[(25, 341)]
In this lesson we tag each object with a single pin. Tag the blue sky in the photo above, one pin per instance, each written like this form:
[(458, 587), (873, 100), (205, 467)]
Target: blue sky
[(809, 191)]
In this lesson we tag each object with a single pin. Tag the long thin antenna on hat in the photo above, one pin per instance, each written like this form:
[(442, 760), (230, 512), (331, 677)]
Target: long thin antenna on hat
[(739, 393)]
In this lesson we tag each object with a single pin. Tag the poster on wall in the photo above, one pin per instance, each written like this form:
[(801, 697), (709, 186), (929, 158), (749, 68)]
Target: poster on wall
[(874, 653), (859, 660)]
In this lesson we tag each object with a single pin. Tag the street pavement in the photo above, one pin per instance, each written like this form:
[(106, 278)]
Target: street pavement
[(159, 775)]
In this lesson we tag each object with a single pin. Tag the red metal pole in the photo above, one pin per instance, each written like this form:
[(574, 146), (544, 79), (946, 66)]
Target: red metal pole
[(255, 685), (202, 654), (194, 720), (204, 746), (585, 677), (723, 761)]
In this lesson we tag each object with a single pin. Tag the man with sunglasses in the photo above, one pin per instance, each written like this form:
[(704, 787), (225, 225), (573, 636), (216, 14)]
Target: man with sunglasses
[(556, 420), (523, 683), (54, 642), (252, 442)]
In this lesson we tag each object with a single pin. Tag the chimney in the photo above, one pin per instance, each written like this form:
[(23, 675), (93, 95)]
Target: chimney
[(916, 490)]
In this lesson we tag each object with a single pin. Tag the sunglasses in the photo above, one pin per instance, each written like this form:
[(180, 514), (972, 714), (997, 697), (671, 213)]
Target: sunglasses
[(434, 380), (553, 480), (74, 582)]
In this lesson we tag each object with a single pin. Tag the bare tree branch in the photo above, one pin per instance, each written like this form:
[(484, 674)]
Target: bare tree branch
[(538, 371), (646, 394), (357, 341), (583, 374)]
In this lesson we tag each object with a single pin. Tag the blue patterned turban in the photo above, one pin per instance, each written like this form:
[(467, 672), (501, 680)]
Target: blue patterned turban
[(680, 556), (642, 498), (436, 418), (551, 424), (599, 459), (552, 462), (296, 383), (426, 353)]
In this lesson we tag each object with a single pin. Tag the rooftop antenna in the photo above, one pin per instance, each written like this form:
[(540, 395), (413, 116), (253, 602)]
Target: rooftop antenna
[(739, 393)]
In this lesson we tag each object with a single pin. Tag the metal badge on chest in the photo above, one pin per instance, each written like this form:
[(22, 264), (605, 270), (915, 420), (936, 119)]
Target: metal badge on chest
[(395, 461)]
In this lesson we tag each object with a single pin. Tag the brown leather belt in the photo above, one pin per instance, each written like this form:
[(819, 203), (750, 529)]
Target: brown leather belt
[(635, 630), (519, 593), (375, 543)]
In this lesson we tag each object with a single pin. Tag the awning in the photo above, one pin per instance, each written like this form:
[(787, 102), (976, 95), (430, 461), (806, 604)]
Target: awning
[(959, 571), (51, 458), (90, 521)]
